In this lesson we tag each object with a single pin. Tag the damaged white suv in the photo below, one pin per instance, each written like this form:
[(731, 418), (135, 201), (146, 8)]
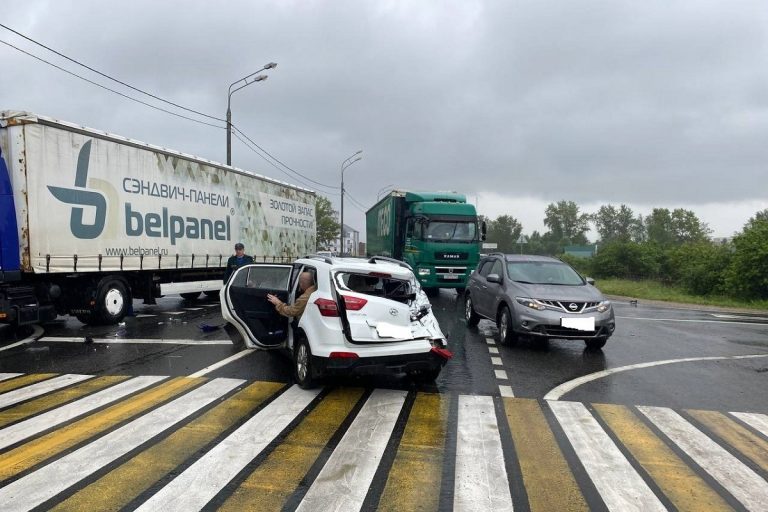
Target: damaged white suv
[(366, 316)]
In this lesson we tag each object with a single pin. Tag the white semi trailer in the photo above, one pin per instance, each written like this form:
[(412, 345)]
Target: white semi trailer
[(90, 220)]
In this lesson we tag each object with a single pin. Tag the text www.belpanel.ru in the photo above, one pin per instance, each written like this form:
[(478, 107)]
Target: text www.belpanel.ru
[(136, 251)]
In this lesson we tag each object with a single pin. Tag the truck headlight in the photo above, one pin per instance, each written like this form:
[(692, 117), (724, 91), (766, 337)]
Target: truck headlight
[(531, 303), (424, 271), (604, 306)]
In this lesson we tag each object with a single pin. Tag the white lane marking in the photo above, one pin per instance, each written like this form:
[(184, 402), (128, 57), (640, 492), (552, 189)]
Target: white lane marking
[(493, 350), (743, 317), (345, 479), (37, 331), (45, 483), (140, 341), (40, 388), (174, 312), (144, 315), (506, 391), (744, 484), (20, 431), (501, 374), (758, 422), (490, 341), (496, 361), (481, 476), (6, 376), (199, 483), (615, 479), (569, 386), (193, 309), (687, 320), (223, 362)]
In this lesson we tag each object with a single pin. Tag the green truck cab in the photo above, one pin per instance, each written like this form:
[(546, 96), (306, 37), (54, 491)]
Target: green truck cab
[(438, 234)]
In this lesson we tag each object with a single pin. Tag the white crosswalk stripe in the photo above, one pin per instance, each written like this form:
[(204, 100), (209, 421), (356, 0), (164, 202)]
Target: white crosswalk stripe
[(343, 477), (20, 431), (45, 483), (41, 388), (203, 480), (743, 483), (618, 483), (481, 478)]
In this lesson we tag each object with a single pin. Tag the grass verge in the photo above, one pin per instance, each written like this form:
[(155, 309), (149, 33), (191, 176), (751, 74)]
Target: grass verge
[(655, 290)]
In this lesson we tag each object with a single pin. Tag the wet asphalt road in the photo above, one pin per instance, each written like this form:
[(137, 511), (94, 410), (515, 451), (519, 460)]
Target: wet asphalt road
[(644, 335)]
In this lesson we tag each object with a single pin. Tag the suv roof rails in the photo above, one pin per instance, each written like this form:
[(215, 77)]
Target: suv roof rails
[(497, 253), (373, 259), (326, 259)]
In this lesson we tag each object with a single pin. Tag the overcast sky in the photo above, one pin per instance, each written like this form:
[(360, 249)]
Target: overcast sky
[(516, 104)]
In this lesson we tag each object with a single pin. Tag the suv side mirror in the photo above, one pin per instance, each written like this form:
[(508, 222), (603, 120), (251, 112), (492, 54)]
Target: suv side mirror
[(590, 281), (483, 231), (494, 278)]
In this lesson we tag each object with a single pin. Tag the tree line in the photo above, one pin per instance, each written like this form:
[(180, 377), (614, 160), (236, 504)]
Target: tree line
[(673, 246)]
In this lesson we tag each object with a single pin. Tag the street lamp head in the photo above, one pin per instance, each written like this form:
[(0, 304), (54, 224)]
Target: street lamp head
[(259, 78), (271, 65)]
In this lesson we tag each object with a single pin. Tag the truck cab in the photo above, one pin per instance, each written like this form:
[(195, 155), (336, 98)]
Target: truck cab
[(437, 234)]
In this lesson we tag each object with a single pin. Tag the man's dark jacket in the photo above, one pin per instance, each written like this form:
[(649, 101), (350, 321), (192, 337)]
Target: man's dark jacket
[(233, 264)]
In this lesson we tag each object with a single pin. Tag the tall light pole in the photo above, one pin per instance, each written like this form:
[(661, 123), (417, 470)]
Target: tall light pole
[(346, 163), (247, 80)]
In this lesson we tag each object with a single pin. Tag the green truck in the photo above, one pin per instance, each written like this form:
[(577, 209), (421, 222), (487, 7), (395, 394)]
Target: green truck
[(436, 233)]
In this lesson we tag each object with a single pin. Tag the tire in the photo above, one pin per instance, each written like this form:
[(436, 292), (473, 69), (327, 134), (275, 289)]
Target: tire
[(303, 369), (432, 292), (190, 295), (470, 315), (506, 330), (112, 302), (214, 294), (596, 343), (460, 291)]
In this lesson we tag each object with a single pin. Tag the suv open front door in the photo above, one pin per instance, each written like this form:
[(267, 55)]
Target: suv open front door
[(246, 304)]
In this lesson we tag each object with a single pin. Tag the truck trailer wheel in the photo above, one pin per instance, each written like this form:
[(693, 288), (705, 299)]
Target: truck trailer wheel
[(190, 295), (112, 302)]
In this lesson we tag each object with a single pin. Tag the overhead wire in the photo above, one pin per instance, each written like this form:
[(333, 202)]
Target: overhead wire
[(237, 129), (109, 89), (278, 168), (281, 163), (110, 77)]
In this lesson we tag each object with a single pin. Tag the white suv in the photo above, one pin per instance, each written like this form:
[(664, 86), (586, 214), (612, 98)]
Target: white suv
[(366, 316)]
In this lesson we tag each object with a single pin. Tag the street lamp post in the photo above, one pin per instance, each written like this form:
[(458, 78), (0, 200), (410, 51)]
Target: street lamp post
[(247, 80), (346, 163)]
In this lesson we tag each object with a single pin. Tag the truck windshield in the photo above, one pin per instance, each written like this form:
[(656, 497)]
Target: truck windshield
[(442, 231)]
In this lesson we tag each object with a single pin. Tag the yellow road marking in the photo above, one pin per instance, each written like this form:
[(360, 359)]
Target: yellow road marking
[(273, 482), (416, 475), (683, 487), (24, 380), (47, 446), (123, 484), (548, 480), (754, 447), (57, 398)]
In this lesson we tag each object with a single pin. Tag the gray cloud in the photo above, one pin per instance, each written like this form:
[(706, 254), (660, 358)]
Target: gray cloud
[(637, 102)]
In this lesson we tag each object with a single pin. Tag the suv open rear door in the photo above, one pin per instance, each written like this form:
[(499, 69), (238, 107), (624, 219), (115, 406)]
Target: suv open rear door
[(245, 304)]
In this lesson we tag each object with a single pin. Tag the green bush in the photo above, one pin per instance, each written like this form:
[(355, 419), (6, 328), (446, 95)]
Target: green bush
[(627, 260), (699, 267), (747, 274)]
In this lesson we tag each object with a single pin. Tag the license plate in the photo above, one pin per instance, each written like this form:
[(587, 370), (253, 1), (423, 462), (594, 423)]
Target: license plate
[(581, 324), (450, 276)]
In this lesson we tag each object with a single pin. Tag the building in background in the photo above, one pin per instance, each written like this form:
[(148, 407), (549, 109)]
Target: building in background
[(351, 243)]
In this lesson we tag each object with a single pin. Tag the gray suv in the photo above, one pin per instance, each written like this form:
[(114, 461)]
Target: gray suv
[(539, 297)]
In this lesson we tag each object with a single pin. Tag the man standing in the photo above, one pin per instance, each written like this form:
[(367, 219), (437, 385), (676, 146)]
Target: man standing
[(307, 286), (237, 261)]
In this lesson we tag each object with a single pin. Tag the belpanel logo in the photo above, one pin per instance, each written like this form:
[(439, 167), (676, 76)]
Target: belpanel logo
[(80, 196)]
